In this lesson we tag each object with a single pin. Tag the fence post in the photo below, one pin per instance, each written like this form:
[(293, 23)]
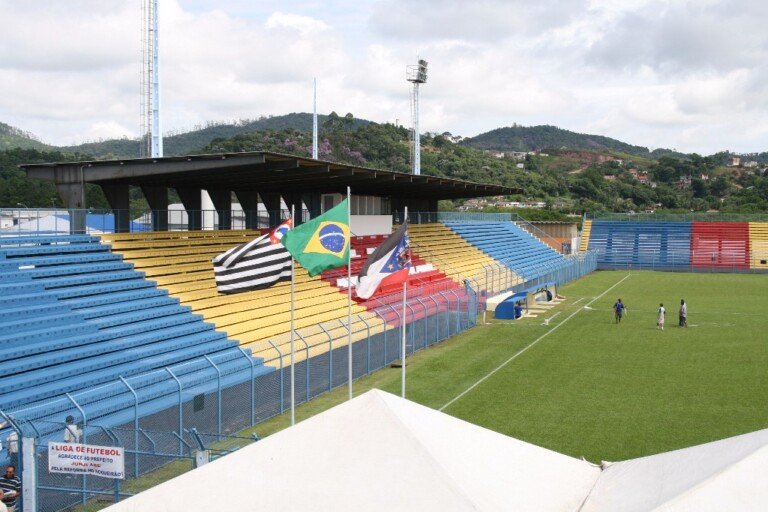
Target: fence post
[(437, 318), (426, 315), (29, 472), (447, 314), (413, 327), (181, 409), (282, 387), (330, 356), (135, 426), (218, 392), (253, 385), (306, 358), (85, 441), (384, 320), (458, 311), (368, 345)]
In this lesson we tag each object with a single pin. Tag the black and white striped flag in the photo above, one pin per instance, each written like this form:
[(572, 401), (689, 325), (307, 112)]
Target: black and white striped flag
[(254, 265)]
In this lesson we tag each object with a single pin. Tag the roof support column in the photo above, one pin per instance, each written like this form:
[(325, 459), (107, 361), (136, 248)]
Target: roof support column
[(312, 200), (295, 200), (193, 203), (119, 200), (249, 201), (222, 201), (157, 197), (271, 202), (70, 184)]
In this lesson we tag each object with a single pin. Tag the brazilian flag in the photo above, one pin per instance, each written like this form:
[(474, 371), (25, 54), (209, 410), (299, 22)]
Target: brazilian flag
[(323, 242)]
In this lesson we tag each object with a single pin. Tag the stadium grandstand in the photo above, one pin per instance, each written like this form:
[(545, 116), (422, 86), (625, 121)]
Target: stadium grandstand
[(677, 242), (119, 334), (124, 331)]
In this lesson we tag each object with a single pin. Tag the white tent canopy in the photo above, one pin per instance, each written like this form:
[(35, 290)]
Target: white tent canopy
[(730, 474), (380, 452)]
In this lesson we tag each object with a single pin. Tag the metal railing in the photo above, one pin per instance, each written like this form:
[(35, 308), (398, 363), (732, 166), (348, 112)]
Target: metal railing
[(54, 221), (684, 261), (226, 396)]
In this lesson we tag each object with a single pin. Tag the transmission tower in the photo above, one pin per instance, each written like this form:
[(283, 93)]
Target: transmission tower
[(417, 75), (151, 137)]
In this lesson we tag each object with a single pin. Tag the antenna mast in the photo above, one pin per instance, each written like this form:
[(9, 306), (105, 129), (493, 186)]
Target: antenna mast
[(151, 144), (417, 75), (314, 118)]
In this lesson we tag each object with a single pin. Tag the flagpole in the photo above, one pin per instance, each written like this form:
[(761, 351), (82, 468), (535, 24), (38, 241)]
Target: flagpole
[(349, 292), (293, 351), (402, 347)]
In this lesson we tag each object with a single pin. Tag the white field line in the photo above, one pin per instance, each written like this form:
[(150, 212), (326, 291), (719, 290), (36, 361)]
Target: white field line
[(547, 320), (580, 299), (519, 352)]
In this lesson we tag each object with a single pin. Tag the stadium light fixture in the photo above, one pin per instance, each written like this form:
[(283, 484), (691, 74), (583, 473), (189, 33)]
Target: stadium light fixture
[(417, 75)]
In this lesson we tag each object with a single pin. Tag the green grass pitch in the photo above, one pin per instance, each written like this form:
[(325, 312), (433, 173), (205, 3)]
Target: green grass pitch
[(599, 390), (588, 387)]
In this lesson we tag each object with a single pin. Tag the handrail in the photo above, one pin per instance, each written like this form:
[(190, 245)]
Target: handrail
[(537, 232)]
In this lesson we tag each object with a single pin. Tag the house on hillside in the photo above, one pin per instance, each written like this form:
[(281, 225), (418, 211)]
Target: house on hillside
[(684, 182), (735, 161)]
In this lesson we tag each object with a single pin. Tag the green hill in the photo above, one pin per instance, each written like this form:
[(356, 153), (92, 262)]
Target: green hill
[(192, 141), (533, 138), (11, 137)]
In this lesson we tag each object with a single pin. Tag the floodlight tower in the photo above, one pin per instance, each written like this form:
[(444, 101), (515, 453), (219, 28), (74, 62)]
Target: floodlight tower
[(151, 136), (417, 75)]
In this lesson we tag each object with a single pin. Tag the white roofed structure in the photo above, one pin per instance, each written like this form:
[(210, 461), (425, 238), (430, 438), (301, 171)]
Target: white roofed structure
[(730, 474), (379, 452)]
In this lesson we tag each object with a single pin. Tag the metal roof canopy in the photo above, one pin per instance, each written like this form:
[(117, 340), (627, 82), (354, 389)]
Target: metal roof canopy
[(263, 172)]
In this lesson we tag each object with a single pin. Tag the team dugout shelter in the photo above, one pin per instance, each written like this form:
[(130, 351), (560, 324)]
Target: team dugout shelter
[(261, 181)]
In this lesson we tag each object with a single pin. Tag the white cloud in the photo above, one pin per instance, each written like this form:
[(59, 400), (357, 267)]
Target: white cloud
[(674, 73)]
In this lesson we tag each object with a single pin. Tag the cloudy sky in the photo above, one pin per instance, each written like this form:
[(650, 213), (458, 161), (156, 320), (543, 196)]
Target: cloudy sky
[(690, 75)]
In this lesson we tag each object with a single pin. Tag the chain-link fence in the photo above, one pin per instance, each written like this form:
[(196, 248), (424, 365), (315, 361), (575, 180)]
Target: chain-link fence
[(152, 415), (149, 457)]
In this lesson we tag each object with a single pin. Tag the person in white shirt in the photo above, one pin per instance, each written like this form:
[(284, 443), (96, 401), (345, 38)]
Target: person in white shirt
[(71, 432), (660, 317), (683, 313)]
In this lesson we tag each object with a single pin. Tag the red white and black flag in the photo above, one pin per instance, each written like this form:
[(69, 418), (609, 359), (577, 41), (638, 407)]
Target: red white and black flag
[(254, 265), (387, 265)]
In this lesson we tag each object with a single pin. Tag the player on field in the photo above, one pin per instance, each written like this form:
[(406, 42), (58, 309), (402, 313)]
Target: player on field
[(619, 309), (660, 317), (683, 313)]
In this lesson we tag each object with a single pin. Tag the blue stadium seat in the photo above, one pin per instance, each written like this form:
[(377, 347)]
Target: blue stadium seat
[(77, 318), (640, 244), (511, 245)]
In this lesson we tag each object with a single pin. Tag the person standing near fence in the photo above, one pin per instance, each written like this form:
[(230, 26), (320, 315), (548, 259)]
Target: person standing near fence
[(13, 447), (11, 488), (71, 432), (683, 313)]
